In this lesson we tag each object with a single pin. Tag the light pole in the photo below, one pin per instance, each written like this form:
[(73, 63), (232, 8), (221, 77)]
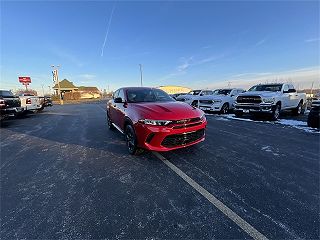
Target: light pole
[(56, 79), (140, 74)]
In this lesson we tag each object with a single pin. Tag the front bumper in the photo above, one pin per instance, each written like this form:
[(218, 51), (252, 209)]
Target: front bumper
[(10, 112), (211, 107), (254, 108), (166, 138)]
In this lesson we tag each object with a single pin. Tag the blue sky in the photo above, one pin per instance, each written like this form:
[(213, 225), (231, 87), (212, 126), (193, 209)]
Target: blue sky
[(194, 44)]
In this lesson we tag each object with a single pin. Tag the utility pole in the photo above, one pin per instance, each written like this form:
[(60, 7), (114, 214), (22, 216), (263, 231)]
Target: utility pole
[(56, 79), (42, 89), (140, 74)]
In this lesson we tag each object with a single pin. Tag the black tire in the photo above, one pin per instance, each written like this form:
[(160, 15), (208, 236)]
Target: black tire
[(298, 110), (314, 119), (109, 122), (131, 140), (276, 112), (224, 108), (238, 114)]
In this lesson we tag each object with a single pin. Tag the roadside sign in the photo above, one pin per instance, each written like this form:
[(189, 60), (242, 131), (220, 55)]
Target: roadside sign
[(24, 80)]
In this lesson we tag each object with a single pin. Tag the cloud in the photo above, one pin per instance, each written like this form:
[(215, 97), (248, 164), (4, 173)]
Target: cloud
[(302, 78), (66, 55), (87, 76), (185, 65), (131, 55), (312, 40), (108, 28), (262, 41)]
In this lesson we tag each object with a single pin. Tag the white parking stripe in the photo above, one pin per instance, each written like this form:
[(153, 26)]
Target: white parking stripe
[(254, 233)]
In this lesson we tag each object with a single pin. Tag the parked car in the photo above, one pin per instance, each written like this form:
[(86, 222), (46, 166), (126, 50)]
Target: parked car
[(270, 99), (175, 95), (222, 100), (150, 119), (193, 95), (314, 114), (10, 105), (47, 101), (31, 102)]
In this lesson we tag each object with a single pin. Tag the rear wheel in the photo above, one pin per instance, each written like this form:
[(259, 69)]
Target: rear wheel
[(131, 140), (110, 126), (224, 108), (298, 110)]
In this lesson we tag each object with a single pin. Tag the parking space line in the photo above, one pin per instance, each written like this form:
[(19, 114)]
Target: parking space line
[(249, 229)]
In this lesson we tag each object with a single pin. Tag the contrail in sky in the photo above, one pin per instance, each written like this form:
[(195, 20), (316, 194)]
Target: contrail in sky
[(108, 27)]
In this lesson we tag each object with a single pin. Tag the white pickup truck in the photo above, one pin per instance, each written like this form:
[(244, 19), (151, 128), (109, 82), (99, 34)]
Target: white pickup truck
[(193, 95), (222, 100), (30, 102), (270, 99)]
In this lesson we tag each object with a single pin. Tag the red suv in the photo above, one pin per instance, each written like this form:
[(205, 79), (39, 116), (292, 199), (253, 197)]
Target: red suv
[(150, 119)]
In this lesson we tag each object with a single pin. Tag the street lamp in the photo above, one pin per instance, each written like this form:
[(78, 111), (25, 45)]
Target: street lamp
[(56, 79), (140, 65)]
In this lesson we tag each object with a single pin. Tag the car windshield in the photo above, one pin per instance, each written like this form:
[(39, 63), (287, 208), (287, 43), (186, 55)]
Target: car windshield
[(147, 95), (222, 91), (270, 88), (194, 92)]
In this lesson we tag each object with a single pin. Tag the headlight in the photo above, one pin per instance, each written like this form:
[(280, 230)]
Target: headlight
[(268, 100), (203, 117), (155, 122)]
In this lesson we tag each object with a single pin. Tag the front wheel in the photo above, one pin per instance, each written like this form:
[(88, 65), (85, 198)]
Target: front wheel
[(131, 140), (224, 108), (238, 114), (276, 112)]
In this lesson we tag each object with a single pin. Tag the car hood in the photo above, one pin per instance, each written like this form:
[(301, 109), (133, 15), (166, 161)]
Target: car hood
[(260, 93), (165, 110), (213, 97)]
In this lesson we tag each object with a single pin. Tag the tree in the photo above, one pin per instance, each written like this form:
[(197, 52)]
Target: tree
[(29, 91)]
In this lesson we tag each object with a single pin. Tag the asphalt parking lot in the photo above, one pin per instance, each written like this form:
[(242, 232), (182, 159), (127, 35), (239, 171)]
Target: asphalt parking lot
[(65, 175)]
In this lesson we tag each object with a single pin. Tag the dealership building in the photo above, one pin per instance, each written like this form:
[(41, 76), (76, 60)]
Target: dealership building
[(175, 89)]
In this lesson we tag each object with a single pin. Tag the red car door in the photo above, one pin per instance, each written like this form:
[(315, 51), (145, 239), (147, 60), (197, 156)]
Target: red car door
[(120, 110), (112, 107)]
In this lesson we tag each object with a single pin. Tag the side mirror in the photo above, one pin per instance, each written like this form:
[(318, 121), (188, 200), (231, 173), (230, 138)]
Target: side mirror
[(201, 94), (232, 95), (118, 100), (292, 90)]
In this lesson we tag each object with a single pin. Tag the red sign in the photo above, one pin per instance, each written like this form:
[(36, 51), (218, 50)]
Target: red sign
[(25, 79)]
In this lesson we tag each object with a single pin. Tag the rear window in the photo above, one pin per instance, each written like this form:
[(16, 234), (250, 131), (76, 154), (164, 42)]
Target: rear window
[(6, 93)]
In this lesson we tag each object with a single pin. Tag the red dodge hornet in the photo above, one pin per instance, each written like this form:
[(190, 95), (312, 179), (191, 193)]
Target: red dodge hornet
[(150, 119)]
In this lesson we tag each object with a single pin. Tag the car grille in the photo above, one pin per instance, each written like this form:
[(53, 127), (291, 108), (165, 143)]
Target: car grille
[(206, 101), (186, 121), (249, 99), (182, 139)]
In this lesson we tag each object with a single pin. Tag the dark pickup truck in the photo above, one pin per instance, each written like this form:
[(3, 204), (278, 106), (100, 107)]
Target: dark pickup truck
[(10, 105)]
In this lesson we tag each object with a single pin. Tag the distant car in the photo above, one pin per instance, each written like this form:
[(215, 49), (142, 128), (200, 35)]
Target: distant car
[(270, 99), (314, 114), (221, 101), (150, 119), (193, 95), (30, 102), (10, 105), (47, 101)]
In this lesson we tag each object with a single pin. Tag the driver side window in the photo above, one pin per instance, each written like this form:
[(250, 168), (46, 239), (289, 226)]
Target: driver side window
[(115, 94), (285, 88)]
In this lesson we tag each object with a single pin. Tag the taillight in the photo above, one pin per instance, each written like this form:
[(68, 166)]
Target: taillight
[(28, 101), (2, 103)]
